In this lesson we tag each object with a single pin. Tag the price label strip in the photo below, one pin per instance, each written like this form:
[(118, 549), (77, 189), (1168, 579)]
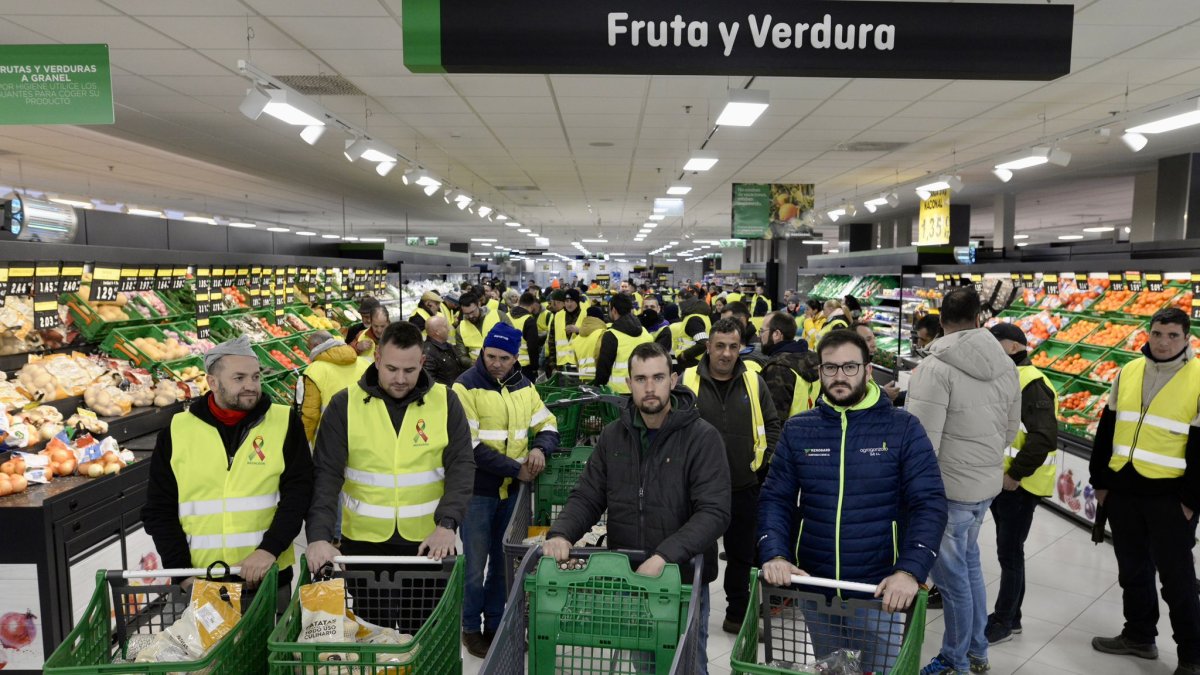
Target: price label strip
[(20, 278), (71, 277), (47, 281), (45, 312), (1081, 281), (3, 282), (1116, 281), (106, 282), (1154, 282), (1196, 296), (1133, 281), (146, 277), (162, 279), (1050, 283)]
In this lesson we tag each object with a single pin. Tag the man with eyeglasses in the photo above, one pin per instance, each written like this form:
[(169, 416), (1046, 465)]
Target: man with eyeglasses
[(967, 395), (738, 403), (872, 507)]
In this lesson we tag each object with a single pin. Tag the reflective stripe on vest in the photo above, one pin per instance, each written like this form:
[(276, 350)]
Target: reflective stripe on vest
[(691, 380), (683, 341), (331, 378), (523, 350), (1041, 481), (562, 341), (619, 379), (472, 338), (501, 420), (393, 480), (1154, 438), (584, 350), (226, 506)]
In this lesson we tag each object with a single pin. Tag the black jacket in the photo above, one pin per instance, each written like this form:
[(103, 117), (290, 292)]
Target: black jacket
[(782, 367), (693, 310), (1041, 427), (443, 363), (728, 409), (628, 325), (672, 499), (533, 341), (331, 451), (161, 511)]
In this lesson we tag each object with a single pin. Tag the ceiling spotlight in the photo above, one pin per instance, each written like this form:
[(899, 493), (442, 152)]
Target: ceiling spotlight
[(1134, 142), (850, 208), (384, 168), (432, 188), (355, 148), (313, 133), (834, 214), (893, 199), (873, 205), (446, 195), (284, 105), (255, 103), (679, 190), (701, 161), (744, 107), (1003, 174), (944, 182), (408, 177)]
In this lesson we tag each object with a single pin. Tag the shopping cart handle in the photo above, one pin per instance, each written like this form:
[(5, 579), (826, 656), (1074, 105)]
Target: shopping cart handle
[(387, 560), (174, 573), (832, 583)]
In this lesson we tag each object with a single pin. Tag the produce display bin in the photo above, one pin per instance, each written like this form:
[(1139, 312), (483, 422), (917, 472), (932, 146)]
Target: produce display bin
[(1080, 327), (800, 626), (281, 388), (1051, 350), (89, 322), (1094, 394), (1116, 356), (415, 596), (119, 344), (1092, 354), (269, 363), (1060, 382), (601, 618), (1103, 336), (119, 610)]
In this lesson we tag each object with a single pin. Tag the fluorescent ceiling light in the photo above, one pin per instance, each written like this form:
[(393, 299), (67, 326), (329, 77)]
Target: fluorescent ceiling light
[(531, 235), (484, 211), (1070, 237), (1004, 175), (330, 236), (350, 238), (814, 242), (834, 214), (595, 241), (292, 108), (378, 154), (150, 213), (944, 182), (1099, 228), (1036, 157), (673, 206), (1186, 115), (313, 133), (501, 217), (660, 210), (1023, 243), (432, 188), (77, 203), (658, 216), (384, 168), (374, 240), (701, 161), (744, 107), (523, 230), (484, 240), (200, 219), (423, 178), (355, 148), (513, 223), (1134, 142), (679, 190), (306, 234), (277, 229), (873, 204), (1020, 236), (243, 225)]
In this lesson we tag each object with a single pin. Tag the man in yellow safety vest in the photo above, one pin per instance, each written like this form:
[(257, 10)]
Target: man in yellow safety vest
[(1029, 468), (430, 306), (738, 403), (476, 322), (376, 320), (626, 332), (513, 433), (394, 455), (525, 317), (334, 367), (1146, 474), (564, 329), (231, 477)]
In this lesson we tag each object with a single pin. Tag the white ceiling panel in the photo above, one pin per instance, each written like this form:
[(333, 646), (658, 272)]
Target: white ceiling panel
[(500, 85), (352, 63), (274, 61), (58, 8), (342, 32), (406, 85), (225, 32), (145, 8), (118, 30), (318, 8), (151, 62)]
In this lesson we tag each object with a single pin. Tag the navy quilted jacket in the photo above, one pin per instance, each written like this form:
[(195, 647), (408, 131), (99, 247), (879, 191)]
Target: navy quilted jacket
[(871, 499)]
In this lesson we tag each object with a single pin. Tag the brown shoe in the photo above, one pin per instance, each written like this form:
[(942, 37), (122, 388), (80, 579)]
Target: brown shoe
[(476, 644)]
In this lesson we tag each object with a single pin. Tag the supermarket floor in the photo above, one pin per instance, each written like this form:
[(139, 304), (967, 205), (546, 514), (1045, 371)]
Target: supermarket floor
[(1071, 596)]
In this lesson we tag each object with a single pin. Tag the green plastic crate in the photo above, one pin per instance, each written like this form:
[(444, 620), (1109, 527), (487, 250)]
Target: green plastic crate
[(1097, 391), (89, 323), (1060, 382), (1095, 336), (1051, 348), (1095, 324), (1092, 354), (576, 421), (91, 647), (1116, 355), (119, 344), (589, 620), (784, 629), (433, 618), (553, 486), (269, 364)]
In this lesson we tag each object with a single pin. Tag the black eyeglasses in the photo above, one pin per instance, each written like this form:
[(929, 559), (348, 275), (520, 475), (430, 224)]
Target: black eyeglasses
[(831, 369)]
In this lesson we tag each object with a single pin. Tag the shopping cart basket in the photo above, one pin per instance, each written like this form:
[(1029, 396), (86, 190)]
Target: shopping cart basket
[(103, 633), (581, 411), (603, 618), (800, 627), (414, 595)]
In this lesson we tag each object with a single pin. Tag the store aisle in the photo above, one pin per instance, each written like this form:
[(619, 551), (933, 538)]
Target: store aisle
[(1072, 596)]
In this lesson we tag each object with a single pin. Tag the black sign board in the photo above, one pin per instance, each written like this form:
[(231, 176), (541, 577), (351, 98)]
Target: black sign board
[(47, 281), (1050, 283), (1081, 281), (1196, 295), (20, 278), (780, 38), (1133, 281), (106, 282), (3, 282), (1154, 282), (1116, 281), (146, 278), (71, 277), (45, 312), (129, 279)]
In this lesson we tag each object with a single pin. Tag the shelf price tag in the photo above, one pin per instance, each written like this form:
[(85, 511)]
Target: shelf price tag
[(202, 327), (1027, 279), (146, 277), (1116, 281), (45, 313), (47, 280), (1081, 281), (254, 282), (106, 282), (162, 279), (20, 278), (70, 278), (1050, 283), (941, 280), (1133, 281), (3, 282), (977, 280), (179, 278), (1196, 295), (243, 277), (1154, 282)]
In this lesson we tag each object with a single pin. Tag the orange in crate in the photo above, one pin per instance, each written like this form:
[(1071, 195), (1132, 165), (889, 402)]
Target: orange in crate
[(1113, 301), (1072, 365), (1077, 331), (1042, 359), (1149, 302), (1080, 400), (1105, 371), (1111, 335)]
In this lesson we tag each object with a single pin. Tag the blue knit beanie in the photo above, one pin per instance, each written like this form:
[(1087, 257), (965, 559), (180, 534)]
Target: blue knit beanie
[(504, 336)]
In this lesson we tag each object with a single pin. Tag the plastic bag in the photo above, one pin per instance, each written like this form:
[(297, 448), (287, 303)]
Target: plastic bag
[(323, 611), (841, 662), (217, 606)]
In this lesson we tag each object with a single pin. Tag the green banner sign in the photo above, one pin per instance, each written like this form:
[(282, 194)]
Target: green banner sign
[(759, 206), (55, 84)]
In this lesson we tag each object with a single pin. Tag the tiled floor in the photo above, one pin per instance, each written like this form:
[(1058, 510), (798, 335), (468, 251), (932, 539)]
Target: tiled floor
[(1072, 596)]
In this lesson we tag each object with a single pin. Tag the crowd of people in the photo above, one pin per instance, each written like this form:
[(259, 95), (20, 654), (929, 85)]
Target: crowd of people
[(758, 426)]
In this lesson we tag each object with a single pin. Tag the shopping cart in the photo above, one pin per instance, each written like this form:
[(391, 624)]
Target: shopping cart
[(580, 411), (103, 634), (603, 618), (414, 595), (800, 627)]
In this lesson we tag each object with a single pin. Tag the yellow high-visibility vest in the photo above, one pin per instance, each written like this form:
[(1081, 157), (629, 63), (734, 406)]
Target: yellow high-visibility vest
[(562, 340), (1155, 437), (681, 341), (523, 351), (1041, 481), (619, 378), (226, 507), (691, 380), (472, 337), (502, 420), (331, 378), (584, 350), (394, 480)]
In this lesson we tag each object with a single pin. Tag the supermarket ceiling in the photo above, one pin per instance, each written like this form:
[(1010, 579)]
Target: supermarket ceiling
[(572, 157)]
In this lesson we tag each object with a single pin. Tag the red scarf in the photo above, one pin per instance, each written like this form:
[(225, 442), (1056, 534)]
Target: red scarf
[(227, 417)]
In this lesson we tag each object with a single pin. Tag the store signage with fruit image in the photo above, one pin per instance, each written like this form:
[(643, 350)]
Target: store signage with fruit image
[(933, 227), (766, 210), (21, 632), (776, 38), (55, 84)]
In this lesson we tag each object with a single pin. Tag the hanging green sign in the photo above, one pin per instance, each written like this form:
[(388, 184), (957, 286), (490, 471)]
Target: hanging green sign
[(55, 84), (759, 206)]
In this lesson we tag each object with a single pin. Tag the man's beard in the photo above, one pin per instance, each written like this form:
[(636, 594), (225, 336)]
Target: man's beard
[(652, 408), (237, 403), (857, 392)]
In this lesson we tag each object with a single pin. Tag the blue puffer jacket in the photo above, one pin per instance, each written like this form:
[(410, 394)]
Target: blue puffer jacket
[(870, 493)]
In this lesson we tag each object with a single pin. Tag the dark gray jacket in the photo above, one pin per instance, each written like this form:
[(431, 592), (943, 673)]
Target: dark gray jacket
[(331, 451), (672, 499), (731, 415), (443, 362)]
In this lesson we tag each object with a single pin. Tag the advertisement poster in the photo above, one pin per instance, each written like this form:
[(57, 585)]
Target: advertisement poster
[(933, 229), (1072, 491), (760, 208), (55, 84), (21, 631)]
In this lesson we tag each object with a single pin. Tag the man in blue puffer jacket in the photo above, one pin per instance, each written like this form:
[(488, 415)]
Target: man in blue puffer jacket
[(872, 507)]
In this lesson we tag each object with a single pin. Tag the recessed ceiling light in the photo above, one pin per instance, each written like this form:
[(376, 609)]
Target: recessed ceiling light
[(1099, 228), (374, 240), (1070, 237), (277, 229), (658, 216), (679, 190), (351, 238), (243, 225), (1020, 236), (744, 107), (523, 230), (306, 234), (595, 241), (199, 219), (701, 161), (1022, 243), (330, 236), (483, 240)]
